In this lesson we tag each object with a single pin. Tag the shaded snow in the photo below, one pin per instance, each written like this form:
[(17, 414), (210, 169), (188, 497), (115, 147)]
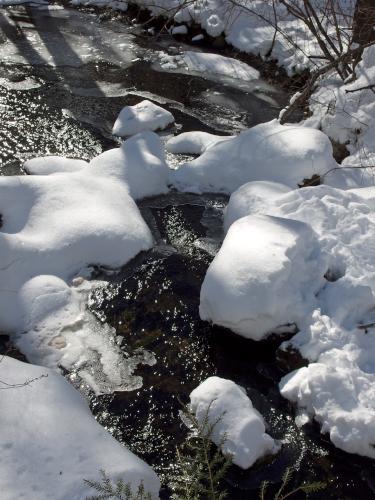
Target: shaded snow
[(50, 442)]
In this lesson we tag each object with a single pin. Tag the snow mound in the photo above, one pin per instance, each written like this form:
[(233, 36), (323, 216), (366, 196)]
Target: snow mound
[(252, 197), (50, 442), (142, 116), (239, 422), (53, 226), (337, 387), (339, 393), (47, 165), (265, 275), (139, 163), (194, 143), (287, 154)]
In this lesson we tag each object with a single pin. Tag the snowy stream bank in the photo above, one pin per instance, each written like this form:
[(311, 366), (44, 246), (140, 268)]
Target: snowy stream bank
[(62, 84)]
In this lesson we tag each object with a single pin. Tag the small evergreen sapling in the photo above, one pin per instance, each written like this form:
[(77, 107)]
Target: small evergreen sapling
[(201, 466)]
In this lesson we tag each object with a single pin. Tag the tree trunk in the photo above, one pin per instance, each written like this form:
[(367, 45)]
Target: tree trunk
[(364, 22)]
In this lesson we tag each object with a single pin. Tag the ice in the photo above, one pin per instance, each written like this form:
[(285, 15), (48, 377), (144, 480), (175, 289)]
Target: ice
[(209, 65), (240, 428), (265, 275), (269, 152), (141, 117), (50, 442)]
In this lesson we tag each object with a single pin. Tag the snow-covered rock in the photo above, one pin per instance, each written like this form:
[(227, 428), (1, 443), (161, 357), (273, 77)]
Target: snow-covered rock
[(194, 143), (265, 275), (179, 30), (50, 442), (141, 117), (240, 428), (251, 198), (287, 154), (46, 165), (139, 163), (337, 387)]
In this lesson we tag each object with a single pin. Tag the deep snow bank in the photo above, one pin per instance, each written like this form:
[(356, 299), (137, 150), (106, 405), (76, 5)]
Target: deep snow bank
[(56, 225), (50, 442), (280, 153), (265, 275), (240, 428)]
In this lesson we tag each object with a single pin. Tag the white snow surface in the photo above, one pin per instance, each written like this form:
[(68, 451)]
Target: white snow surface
[(207, 64), (346, 113), (54, 226), (194, 143), (241, 424), (50, 442), (337, 388), (141, 117), (47, 165), (286, 154), (265, 275)]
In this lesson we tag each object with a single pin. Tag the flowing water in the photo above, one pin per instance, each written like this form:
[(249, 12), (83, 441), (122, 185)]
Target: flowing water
[(64, 76)]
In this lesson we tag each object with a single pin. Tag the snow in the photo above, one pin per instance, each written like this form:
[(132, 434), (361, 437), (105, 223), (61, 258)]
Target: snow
[(56, 225), (350, 120), (139, 163), (141, 117), (208, 64), (179, 30), (50, 442), (337, 387), (252, 197), (194, 143), (265, 275), (240, 425), (287, 154), (53, 164)]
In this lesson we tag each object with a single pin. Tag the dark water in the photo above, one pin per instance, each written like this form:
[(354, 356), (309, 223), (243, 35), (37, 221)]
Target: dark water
[(55, 101)]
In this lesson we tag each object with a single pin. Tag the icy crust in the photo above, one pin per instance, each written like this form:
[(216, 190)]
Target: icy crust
[(194, 143), (208, 64), (56, 225), (265, 275), (50, 442), (141, 117), (240, 430), (337, 388), (286, 154)]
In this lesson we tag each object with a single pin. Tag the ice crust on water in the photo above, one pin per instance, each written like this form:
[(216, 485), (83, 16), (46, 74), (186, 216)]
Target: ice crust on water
[(50, 442), (142, 116), (265, 275), (337, 388), (286, 154), (56, 225), (208, 65), (194, 143), (240, 428)]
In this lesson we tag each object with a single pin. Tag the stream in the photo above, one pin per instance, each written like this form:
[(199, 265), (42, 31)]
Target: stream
[(64, 76)]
